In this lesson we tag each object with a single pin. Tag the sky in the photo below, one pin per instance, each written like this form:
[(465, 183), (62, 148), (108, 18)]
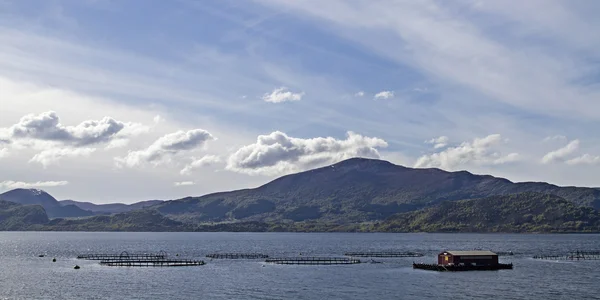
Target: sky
[(124, 101)]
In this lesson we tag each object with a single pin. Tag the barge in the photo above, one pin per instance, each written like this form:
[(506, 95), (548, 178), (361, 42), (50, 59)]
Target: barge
[(465, 261)]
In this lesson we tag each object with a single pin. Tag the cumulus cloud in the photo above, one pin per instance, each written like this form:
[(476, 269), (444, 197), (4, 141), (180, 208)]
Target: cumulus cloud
[(278, 153), (9, 184), (184, 183), (359, 94), (439, 142), (52, 156), (384, 95), (165, 147), (282, 94), (585, 159), (47, 127), (206, 160), (479, 152), (562, 153)]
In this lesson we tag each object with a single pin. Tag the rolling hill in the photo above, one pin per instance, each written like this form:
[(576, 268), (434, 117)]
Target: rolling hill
[(526, 212), (353, 195), (357, 190), (49, 203), (19, 217), (110, 208)]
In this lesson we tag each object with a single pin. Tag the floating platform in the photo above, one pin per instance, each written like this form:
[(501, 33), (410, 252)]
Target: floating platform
[(237, 256), (455, 268), (152, 263), (384, 254), (313, 261), (124, 255)]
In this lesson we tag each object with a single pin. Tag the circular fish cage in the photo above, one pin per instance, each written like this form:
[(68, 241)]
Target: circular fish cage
[(384, 254), (237, 256), (313, 261)]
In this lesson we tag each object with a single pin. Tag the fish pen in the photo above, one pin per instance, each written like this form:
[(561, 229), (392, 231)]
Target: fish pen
[(124, 255), (572, 255), (313, 261), (152, 263), (384, 254), (237, 256)]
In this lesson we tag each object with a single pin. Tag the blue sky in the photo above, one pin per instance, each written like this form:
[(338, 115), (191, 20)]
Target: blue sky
[(112, 100)]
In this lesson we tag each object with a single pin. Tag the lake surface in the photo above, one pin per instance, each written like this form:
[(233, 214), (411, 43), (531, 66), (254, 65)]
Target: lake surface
[(23, 275)]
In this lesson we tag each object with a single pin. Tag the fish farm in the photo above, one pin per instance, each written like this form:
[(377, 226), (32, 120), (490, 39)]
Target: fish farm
[(572, 255), (237, 256), (152, 263), (313, 261), (384, 254), (124, 255)]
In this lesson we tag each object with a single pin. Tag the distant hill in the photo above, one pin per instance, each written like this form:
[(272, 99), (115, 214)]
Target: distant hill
[(49, 203), (353, 195), (526, 212), (357, 190), (19, 217), (110, 208)]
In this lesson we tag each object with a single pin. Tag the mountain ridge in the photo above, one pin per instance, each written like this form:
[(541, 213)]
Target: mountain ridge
[(357, 190)]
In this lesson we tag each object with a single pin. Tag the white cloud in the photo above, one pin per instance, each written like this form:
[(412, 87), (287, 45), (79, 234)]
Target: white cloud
[(52, 156), (282, 94), (206, 160), (3, 152), (384, 95), (277, 153), (184, 183), (562, 153), (585, 159), (9, 184), (165, 147), (46, 127), (359, 94), (439, 142), (158, 119), (555, 138), (478, 152)]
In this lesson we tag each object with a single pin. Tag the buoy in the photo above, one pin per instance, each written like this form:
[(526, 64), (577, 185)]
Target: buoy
[(177, 254), (77, 267), (54, 260)]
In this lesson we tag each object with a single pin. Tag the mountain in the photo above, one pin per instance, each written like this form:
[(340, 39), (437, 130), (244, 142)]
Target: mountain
[(356, 190), (18, 217), (49, 203), (526, 212), (110, 208), (353, 195)]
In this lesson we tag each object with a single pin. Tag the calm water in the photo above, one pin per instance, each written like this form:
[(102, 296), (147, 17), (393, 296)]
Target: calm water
[(25, 276)]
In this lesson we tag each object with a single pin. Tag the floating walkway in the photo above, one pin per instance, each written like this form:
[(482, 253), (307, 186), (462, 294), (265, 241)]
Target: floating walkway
[(123, 255), (152, 263), (313, 261), (455, 268), (384, 254), (573, 255), (237, 256)]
